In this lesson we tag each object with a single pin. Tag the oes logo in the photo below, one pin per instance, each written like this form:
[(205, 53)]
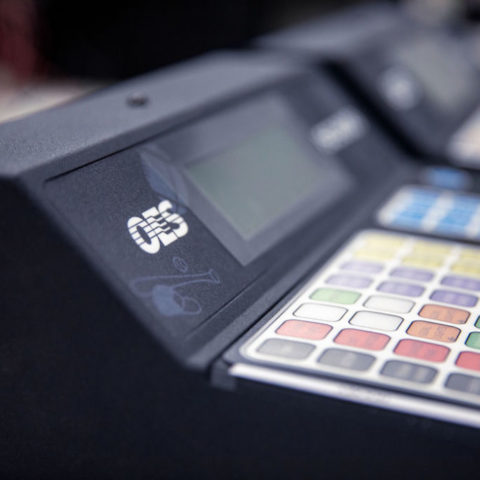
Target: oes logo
[(156, 227)]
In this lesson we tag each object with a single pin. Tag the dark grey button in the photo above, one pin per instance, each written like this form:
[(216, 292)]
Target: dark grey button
[(286, 349), (409, 371), (464, 383), (346, 359)]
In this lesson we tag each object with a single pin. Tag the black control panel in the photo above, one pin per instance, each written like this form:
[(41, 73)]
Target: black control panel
[(420, 81)]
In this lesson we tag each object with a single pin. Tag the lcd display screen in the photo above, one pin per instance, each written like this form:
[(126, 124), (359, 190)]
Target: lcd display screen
[(257, 181)]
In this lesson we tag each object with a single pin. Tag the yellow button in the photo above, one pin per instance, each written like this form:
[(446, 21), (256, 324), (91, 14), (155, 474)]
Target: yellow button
[(423, 261), (431, 248), (467, 268), (374, 254), (470, 255), (386, 242)]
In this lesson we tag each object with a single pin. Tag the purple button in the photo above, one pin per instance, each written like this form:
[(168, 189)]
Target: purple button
[(412, 274), (398, 288), (447, 296), (363, 267), (349, 281), (461, 282)]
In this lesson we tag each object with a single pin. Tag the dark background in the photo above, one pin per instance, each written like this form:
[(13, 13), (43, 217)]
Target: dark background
[(112, 39)]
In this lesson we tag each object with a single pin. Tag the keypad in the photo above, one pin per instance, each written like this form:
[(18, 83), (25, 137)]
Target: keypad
[(426, 209), (396, 310)]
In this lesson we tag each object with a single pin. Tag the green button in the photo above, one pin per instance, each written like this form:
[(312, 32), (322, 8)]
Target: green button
[(473, 340), (333, 295), (478, 322)]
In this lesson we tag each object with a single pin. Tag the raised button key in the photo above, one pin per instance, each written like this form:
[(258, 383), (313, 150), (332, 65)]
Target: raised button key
[(461, 282), (412, 274), (466, 268), (389, 304), (423, 261), (346, 359), (433, 331), (464, 383), (353, 281), (409, 371), (473, 340), (469, 360), (376, 321), (333, 295), (444, 314), (362, 339), (314, 311), (306, 330), (455, 298), (431, 248), (286, 349), (422, 350), (406, 289), (362, 267)]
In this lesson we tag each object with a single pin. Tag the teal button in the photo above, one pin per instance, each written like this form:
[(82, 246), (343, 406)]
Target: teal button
[(473, 340)]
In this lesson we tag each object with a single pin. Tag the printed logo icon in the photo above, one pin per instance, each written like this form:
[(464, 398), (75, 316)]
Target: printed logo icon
[(156, 227)]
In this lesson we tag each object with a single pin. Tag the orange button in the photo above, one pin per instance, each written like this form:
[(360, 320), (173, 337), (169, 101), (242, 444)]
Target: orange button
[(422, 350), (469, 360), (300, 329), (433, 331), (444, 314), (361, 339)]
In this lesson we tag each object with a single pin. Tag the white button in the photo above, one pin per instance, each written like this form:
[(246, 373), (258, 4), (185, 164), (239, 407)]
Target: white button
[(377, 321), (320, 312), (389, 304)]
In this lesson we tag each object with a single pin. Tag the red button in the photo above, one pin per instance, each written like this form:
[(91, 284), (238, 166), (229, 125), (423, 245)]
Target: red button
[(361, 339), (300, 329), (469, 360), (422, 350)]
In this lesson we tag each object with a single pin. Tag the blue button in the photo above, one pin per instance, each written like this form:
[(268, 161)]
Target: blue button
[(455, 217), (449, 228), (444, 177)]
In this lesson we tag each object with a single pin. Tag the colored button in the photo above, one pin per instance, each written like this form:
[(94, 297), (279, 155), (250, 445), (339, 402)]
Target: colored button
[(362, 339), (382, 240), (464, 383), (286, 349), (362, 267), (423, 261), (444, 314), (447, 296), (313, 311), (473, 340), (461, 282), (431, 248), (456, 218), (399, 288), (466, 268), (307, 330), (408, 220), (349, 281), (470, 255), (389, 304), (412, 274), (376, 321), (374, 254), (333, 295), (469, 360), (409, 371), (346, 359), (477, 323), (450, 178), (433, 331), (422, 350)]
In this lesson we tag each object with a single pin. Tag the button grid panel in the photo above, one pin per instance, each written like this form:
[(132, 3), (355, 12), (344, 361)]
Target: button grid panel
[(419, 334), (430, 210)]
